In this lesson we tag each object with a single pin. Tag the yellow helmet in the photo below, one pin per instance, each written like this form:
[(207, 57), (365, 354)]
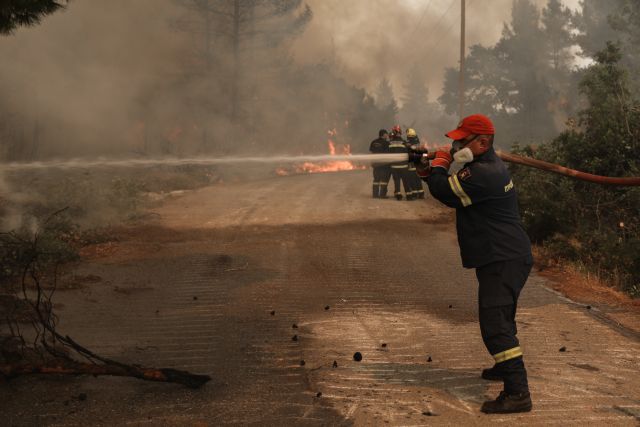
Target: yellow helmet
[(411, 133)]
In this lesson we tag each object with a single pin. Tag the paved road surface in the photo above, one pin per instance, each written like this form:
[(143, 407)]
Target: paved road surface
[(194, 289)]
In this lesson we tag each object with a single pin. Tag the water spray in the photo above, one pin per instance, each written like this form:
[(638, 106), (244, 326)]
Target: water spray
[(201, 161), (363, 158)]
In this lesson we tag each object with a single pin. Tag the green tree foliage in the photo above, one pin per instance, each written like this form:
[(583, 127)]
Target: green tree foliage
[(556, 21), (593, 225), (19, 13), (594, 25), (513, 81), (627, 22)]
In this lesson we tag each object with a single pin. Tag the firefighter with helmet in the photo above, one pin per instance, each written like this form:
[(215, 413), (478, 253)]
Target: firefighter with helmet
[(399, 170), (381, 171), (416, 183)]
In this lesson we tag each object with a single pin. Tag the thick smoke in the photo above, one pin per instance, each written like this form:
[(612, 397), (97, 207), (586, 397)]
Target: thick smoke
[(372, 39), (73, 84), (107, 77)]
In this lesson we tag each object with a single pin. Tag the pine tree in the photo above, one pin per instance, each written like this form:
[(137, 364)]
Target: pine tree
[(385, 99), (627, 22), (18, 13), (558, 38), (510, 82), (417, 111), (594, 25), (415, 102), (556, 20), (234, 34)]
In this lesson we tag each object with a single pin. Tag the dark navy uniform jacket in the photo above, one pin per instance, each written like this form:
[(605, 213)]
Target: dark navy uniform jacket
[(487, 216), (379, 145), (398, 145)]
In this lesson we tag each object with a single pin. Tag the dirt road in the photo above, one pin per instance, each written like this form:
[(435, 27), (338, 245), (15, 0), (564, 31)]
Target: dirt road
[(215, 282)]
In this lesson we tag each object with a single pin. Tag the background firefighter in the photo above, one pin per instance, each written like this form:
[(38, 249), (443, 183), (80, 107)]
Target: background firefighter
[(416, 182), (381, 171), (400, 170), (493, 241)]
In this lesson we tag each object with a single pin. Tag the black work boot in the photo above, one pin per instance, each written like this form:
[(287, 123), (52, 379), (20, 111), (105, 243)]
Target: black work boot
[(398, 197), (492, 374), (508, 404)]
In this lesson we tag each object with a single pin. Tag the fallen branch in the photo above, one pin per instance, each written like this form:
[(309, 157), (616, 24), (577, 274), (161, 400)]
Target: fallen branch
[(75, 368), (50, 352)]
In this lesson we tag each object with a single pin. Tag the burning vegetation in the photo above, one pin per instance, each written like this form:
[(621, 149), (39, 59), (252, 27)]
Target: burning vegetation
[(328, 166)]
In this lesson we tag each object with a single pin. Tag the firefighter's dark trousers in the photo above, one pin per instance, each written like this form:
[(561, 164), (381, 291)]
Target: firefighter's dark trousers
[(418, 189), (400, 173), (416, 182), (381, 176), (500, 285)]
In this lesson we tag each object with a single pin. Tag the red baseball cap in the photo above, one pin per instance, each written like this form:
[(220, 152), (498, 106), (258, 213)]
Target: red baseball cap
[(476, 124)]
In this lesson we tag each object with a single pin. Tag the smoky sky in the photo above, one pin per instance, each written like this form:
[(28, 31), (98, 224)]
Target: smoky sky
[(88, 67), (371, 39)]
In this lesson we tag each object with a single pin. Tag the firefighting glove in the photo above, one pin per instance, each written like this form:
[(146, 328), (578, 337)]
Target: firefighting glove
[(443, 160)]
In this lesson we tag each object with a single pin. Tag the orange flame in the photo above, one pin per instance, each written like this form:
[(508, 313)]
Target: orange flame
[(331, 166)]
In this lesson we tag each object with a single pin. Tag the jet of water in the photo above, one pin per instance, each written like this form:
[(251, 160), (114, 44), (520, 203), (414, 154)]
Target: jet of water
[(98, 163)]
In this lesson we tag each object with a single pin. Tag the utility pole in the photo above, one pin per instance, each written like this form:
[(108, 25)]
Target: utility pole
[(462, 49)]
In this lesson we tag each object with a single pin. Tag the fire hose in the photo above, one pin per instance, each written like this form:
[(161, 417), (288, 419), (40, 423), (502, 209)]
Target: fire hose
[(561, 170)]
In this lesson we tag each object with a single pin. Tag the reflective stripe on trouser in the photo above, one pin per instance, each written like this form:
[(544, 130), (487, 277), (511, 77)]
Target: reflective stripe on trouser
[(381, 176), (417, 187), (500, 284), (503, 356), (413, 180)]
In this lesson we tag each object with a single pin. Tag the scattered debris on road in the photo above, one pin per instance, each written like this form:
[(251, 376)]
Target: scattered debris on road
[(357, 356)]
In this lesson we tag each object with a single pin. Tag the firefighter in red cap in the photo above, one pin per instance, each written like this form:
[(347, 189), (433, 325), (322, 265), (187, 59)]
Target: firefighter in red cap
[(400, 170), (493, 241)]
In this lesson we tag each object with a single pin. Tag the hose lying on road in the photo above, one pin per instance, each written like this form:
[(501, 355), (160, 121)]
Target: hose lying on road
[(551, 167)]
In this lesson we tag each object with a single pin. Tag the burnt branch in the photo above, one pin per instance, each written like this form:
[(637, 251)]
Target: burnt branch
[(42, 349)]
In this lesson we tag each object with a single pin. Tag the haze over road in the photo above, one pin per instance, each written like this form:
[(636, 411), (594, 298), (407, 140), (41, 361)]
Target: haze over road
[(194, 287)]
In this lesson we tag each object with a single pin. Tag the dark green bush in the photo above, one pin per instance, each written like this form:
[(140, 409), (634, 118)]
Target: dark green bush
[(591, 224)]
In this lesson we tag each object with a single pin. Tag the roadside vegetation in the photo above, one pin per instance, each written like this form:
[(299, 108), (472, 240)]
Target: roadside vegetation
[(595, 227)]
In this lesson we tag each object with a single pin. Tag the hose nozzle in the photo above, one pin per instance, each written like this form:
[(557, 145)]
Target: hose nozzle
[(418, 154)]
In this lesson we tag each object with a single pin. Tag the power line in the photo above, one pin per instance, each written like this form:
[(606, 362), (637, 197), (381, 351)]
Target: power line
[(446, 32), (443, 15), (424, 13)]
